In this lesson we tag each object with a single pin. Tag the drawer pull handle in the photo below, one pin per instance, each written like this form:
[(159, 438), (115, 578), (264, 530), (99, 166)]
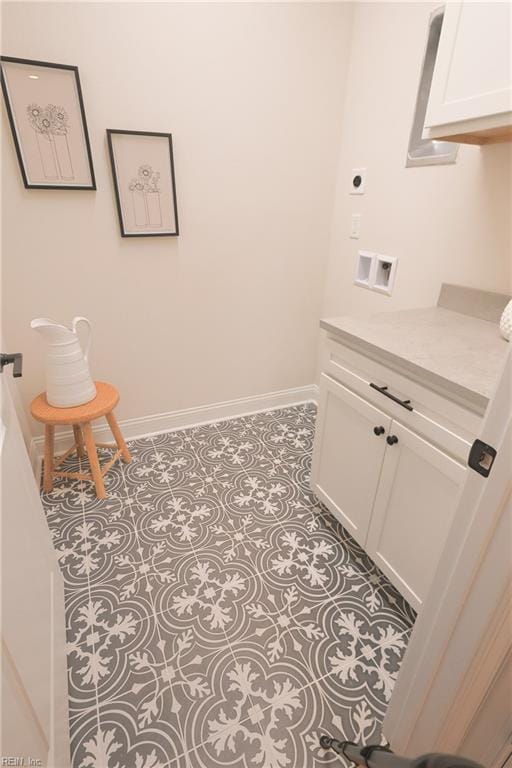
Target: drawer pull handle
[(391, 439), (378, 431), (394, 398)]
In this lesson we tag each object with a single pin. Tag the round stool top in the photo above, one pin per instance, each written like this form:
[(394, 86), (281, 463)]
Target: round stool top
[(106, 399)]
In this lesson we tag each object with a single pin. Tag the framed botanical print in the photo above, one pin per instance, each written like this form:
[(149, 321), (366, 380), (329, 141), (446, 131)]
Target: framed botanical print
[(47, 117), (143, 172)]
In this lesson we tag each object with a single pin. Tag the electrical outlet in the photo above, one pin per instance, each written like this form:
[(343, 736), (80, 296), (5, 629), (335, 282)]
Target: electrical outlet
[(358, 181)]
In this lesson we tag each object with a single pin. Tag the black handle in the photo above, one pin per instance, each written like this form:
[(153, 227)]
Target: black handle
[(394, 398), (391, 439), (16, 360), (378, 431)]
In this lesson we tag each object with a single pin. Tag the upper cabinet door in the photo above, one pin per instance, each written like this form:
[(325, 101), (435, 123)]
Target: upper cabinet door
[(413, 511), (472, 75), (347, 456)]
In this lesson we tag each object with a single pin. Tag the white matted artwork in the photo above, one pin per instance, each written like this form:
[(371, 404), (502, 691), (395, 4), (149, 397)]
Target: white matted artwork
[(143, 171), (47, 117)]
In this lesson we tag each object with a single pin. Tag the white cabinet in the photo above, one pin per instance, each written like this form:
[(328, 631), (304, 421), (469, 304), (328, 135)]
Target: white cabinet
[(413, 511), (389, 467), (348, 455), (471, 93)]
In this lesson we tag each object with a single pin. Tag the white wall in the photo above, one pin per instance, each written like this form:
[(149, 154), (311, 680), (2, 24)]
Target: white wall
[(446, 223), (253, 95)]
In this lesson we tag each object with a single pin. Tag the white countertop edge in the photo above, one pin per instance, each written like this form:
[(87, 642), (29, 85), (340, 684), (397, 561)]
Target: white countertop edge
[(468, 398)]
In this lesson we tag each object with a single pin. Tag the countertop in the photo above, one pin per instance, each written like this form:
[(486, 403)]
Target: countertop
[(460, 354)]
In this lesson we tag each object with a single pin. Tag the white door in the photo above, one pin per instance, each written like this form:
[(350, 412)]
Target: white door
[(413, 511), (34, 679), (472, 75), (347, 455), (463, 609)]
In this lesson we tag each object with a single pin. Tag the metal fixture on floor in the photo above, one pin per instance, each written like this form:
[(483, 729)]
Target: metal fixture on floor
[(377, 756)]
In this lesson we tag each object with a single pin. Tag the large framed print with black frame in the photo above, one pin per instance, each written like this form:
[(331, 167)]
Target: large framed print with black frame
[(47, 117), (144, 183)]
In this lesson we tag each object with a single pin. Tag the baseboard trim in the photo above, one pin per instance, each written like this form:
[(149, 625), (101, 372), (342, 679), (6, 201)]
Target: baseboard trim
[(173, 420)]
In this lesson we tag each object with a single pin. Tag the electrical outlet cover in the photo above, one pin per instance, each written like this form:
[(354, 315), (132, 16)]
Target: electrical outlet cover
[(358, 181)]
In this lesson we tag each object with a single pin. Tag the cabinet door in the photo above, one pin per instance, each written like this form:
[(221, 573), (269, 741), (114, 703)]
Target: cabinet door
[(347, 455), (472, 76), (413, 511)]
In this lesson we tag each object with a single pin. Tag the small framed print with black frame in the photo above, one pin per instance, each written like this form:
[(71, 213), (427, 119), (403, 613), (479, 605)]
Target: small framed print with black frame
[(144, 182)]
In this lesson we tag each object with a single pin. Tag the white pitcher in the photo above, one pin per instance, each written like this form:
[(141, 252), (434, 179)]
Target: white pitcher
[(68, 380)]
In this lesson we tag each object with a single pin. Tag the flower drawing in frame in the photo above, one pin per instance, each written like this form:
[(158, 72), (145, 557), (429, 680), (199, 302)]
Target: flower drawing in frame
[(47, 118), (144, 182)]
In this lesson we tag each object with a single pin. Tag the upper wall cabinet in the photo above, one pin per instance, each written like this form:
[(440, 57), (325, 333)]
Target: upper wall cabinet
[(471, 94)]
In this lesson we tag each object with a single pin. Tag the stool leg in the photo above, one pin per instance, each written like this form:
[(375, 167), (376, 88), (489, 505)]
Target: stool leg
[(79, 440), (49, 435), (93, 460), (118, 437)]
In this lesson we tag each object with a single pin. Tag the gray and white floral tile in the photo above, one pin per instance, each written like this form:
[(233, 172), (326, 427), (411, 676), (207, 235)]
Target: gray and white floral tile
[(310, 560), (284, 622), (180, 518), (245, 426), (113, 738), (209, 595), (269, 498), (240, 537), (162, 465), (253, 699), (217, 614), (291, 436), (231, 450), (350, 634)]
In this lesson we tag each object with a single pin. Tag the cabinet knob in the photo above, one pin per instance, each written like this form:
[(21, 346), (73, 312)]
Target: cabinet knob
[(391, 439), (378, 431)]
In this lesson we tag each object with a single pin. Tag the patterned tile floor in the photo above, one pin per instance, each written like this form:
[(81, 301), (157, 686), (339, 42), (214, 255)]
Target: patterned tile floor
[(217, 615)]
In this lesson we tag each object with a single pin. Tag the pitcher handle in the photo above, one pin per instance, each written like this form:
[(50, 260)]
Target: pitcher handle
[(77, 320)]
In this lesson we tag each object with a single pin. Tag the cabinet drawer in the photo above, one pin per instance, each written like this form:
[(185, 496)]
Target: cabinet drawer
[(442, 421)]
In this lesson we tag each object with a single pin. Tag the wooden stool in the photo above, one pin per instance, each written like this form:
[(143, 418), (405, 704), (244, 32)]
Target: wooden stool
[(80, 417)]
